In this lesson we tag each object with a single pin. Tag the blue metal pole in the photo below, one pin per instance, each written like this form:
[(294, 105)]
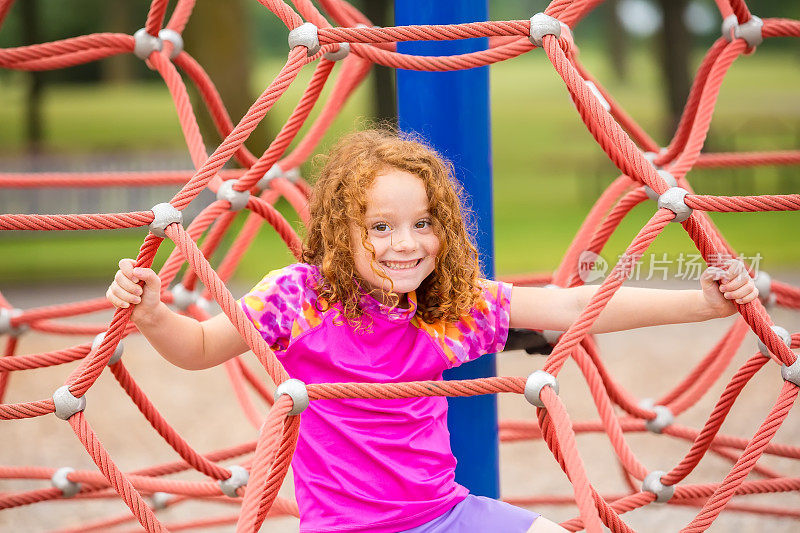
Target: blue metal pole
[(451, 111)]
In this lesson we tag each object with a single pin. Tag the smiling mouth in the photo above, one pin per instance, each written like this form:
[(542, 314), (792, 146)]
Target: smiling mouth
[(401, 265)]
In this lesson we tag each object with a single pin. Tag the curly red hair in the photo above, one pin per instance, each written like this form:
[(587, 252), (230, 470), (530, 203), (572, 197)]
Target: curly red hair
[(339, 198)]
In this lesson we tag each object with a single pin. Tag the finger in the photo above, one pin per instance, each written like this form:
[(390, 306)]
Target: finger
[(739, 281), (734, 268), (127, 283), (749, 298), (115, 300), (126, 266), (124, 295), (148, 276), (714, 273), (739, 293)]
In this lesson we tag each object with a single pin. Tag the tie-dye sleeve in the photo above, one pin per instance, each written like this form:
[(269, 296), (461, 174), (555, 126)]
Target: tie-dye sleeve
[(485, 328), (274, 304)]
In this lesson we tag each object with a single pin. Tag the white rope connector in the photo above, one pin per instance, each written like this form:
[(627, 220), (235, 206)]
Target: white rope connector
[(6, 315), (652, 483), (237, 199), (239, 477), (66, 404), (782, 334), (274, 172), (538, 380), (791, 373), (341, 53), (182, 298), (664, 416), (165, 214), (750, 31), (666, 176), (674, 199), (542, 25), (61, 482), (175, 38), (160, 500), (297, 391), (763, 282), (729, 23), (306, 35), (116, 356), (145, 44)]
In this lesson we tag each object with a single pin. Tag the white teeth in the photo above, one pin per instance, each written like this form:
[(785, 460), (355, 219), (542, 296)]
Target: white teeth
[(404, 265)]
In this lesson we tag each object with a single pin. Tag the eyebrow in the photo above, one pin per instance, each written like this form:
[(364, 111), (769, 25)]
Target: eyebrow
[(386, 214)]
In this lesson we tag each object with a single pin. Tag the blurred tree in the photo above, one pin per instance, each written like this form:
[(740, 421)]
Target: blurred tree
[(675, 46), (218, 36), (33, 95), (384, 103), (617, 41), (118, 17)]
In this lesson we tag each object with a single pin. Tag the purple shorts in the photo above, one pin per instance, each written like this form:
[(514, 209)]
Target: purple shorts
[(479, 514)]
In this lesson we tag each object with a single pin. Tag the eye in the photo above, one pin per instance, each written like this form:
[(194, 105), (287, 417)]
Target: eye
[(380, 227), (422, 224)]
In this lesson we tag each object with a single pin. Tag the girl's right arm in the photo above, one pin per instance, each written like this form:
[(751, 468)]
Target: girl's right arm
[(181, 340)]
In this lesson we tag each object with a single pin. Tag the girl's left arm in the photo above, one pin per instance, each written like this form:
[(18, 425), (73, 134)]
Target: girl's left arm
[(633, 307)]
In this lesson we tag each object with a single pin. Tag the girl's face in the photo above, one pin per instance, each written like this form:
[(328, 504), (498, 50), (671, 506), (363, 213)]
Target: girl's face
[(399, 228)]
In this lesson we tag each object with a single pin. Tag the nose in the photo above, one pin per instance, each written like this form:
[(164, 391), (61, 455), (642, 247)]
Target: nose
[(403, 240)]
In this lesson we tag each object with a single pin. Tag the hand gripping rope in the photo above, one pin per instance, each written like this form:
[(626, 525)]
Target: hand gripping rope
[(342, 30)]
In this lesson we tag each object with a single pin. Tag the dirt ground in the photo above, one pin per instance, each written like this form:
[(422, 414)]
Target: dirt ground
[(201, 406)]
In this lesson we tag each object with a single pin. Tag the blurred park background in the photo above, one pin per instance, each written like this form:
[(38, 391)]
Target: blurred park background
[(117, 115)]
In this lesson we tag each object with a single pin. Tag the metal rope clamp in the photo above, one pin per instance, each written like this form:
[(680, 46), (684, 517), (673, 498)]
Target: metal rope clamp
[(297, 391), (763, 282), (274, 172), (341, 53), (538, 380), (116, 356), (306, 35), (664, 416), (666, 176), (652, 483), (750, 31), (160, 500), (145, 44), (542, 25), (173, 37), (61, 482), (165, 214), (239, 478), (782, 334), (6, 315), (674, 199), (237, 199), (66, 404)]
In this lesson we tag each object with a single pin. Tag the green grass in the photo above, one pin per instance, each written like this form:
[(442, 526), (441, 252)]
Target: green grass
[(547, 167)]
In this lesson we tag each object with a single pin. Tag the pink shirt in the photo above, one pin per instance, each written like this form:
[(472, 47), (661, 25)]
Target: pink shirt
[(371, 465)]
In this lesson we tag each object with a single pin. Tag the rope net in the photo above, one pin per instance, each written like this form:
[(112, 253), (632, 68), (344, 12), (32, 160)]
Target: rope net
[(272, 175)]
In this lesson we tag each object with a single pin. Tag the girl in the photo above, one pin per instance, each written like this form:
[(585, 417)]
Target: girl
[(389, 289)]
